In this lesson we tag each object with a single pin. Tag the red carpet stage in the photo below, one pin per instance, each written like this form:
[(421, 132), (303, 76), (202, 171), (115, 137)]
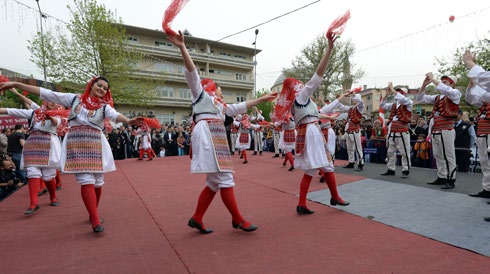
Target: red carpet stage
[(146, 206)]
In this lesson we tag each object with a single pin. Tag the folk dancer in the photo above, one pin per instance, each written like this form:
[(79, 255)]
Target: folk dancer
[(353, 130), (446, 106), (478, 94), (41, 154), (399, 137), (210, 151)]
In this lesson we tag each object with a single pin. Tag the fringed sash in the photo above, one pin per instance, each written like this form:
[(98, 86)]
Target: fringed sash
[(244, 138), (289, 136)]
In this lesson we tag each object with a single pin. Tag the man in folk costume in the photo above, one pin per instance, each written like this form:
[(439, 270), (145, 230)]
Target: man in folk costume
[(478, 94), (328, 110), (353, 130), (41, 154), (145, 143), (210, 151), (244, 140), (446, 106), (311, 154), (234, 134), (258, 133), (399, 137)]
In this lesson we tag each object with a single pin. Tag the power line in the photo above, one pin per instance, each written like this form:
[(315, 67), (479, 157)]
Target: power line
[(270, 20)]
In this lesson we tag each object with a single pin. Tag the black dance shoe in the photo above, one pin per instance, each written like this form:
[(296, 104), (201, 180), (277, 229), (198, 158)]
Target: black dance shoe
[(291, 168), (389, 172), (250, 228), (194, 224), (339, 202), (350, 165), (98, 229), (301, 210), (31, 211)]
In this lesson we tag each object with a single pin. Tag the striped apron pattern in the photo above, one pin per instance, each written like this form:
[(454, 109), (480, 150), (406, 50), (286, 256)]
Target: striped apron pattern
[(83, 150), (36, 149), (220, 143)]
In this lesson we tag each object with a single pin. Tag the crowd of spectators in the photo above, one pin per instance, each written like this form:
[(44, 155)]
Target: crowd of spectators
[(373, 137), (169, 140)]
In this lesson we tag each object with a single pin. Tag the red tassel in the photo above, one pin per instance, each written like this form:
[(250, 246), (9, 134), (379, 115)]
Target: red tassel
[(172, 11)]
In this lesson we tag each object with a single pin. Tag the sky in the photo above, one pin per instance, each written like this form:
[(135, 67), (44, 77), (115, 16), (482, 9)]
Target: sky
[(395, 41)]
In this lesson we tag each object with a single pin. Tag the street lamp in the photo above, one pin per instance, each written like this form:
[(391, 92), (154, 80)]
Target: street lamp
[(255, 63), (41, 16)]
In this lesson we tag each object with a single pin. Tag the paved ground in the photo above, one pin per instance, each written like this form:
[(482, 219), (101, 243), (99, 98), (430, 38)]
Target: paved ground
[(393, 225)]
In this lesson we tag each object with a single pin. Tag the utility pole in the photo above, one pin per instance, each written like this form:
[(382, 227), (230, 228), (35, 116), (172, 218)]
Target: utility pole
[(41, 16)]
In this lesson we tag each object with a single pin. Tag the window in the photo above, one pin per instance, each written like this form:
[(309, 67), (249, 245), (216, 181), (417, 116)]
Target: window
[(185, 93), (240, 57), (227, 93), (165, 92), (162, 44), (221, 72), (224, 54), (164, 67), (241, 97), (369, 97), (241, 76), (166, 118), (133, 39)]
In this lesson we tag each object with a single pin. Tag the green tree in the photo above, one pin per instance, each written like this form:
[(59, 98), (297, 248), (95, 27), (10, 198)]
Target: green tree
[(265, 107), (94, 43), (338, 75), (455, 65)]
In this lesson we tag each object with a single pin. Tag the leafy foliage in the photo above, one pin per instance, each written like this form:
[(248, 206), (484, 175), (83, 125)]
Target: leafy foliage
[(96, 44), (338, 75)]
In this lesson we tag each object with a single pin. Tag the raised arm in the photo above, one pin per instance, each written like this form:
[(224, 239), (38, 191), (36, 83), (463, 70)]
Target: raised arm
[(30, 89), (322, 66), (26, 100)]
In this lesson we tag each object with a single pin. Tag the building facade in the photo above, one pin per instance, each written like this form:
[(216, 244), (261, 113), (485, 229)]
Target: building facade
[(230, 66)]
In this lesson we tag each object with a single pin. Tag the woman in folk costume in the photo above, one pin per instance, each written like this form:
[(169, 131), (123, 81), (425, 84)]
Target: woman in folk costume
[(310, 149), (243, 141), (210, 151), (42, 150), (145, 141), (85, 149), (287, 140)]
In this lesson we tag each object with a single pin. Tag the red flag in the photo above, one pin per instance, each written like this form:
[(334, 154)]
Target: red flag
[(381, 114)]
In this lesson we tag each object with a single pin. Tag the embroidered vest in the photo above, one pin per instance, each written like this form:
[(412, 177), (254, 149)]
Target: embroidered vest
[(354, 119), (403, 115), (483, 120), (302, 111), (204, 104), (95, 117), (447, 112), (46, 125)]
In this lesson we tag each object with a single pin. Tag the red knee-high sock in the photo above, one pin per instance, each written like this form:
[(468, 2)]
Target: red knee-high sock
[(33, 190), (51, 185), (203, 202), (228, 197), (332, 184), (98, 193), (148, 152), (58, 178), (42, 185), (141, 154), (303, 189), (289, 157), (244, 153), (90, 201)]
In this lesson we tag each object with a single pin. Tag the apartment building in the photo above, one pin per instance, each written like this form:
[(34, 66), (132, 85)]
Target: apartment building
[(231, 66)]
